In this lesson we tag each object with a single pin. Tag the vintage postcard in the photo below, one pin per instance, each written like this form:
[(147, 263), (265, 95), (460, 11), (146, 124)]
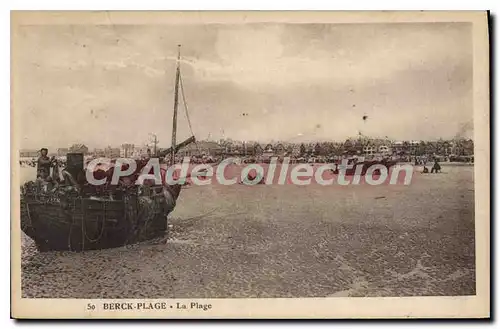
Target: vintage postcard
[(250, 164)]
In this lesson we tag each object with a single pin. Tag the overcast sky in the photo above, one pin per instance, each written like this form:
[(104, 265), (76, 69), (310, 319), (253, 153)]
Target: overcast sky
[(108, 85)]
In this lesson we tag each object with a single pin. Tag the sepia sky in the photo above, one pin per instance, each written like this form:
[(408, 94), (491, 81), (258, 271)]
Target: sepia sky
[(108, 85)]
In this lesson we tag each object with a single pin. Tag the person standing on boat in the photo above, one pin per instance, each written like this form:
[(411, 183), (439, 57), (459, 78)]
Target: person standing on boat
[(43, 164)]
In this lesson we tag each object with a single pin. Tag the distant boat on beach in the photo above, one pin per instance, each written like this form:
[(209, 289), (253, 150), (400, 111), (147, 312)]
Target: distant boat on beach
[(365, 165)]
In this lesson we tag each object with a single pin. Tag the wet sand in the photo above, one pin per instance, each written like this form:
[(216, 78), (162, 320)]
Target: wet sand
[(285, 241)]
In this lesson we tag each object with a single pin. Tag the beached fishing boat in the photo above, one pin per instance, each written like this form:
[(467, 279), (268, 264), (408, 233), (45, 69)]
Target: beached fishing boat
[(365, 166), (66, 212)]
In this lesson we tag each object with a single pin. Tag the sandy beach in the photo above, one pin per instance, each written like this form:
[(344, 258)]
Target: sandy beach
[(285, 241)]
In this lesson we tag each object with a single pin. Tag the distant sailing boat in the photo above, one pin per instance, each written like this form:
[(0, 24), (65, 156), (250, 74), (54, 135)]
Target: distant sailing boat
[(72, 214)]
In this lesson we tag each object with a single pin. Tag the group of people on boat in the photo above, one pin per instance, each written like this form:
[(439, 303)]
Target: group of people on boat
[(49, 176), (44, 163)]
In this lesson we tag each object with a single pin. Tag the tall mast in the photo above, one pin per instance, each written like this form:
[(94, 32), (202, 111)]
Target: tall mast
[(176, 103)]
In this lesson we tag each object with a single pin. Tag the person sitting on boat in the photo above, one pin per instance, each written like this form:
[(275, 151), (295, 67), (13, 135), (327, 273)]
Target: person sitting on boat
[(44, 181), (436, 167)]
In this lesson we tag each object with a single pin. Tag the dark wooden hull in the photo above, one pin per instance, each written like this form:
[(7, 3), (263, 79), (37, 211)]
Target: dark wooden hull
[(87, 224)]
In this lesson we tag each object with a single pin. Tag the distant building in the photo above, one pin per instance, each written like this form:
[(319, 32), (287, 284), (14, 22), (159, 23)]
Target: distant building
[(405, 147), (112, 152), (98, 153), (268, 152), (384, 149), (352, 146), (462, 147), (398, 147), (257, 149), (369, 149), (280, 150), (29, 153), (414, 146), (79, 148), (127, 150), (141, 152), (202, 148)]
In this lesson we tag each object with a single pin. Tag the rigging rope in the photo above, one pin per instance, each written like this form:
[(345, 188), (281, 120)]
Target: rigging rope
[(185, 105), (103, 222), (187, 113)]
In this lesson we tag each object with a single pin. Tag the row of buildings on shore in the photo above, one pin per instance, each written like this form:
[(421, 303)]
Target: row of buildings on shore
[(358, 146), (124, 151), (228, 147)]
